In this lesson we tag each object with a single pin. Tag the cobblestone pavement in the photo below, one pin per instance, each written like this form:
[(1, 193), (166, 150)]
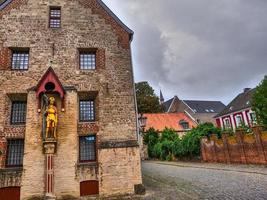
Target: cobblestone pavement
[(184, 181)]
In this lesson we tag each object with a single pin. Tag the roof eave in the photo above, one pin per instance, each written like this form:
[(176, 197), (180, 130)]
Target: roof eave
[(4, 4), (111, 13)]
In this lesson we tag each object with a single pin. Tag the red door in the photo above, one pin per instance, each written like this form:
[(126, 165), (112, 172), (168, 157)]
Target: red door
[(10, 193), (89, 188)]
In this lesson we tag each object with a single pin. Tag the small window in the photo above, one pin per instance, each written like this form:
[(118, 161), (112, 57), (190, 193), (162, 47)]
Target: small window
[(18, 112), (184, 124), (15, 150), (87, 110), (88, 148), (55, 17), (211, 110), (253, 118), (227, 124), (207, 110), (20, 60), (239, 121), (87, 60)]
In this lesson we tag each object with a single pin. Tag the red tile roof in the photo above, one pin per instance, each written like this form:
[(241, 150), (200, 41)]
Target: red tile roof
[(170, 120)]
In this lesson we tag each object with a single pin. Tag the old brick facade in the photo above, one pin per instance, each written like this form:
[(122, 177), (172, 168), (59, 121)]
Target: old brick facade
[(85, 25)]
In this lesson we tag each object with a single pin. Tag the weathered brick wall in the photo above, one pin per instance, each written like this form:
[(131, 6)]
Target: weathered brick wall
[(241, 148), (24, 23)]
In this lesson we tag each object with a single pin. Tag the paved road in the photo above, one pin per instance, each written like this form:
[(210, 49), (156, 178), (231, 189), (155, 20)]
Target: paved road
[(198, 181)]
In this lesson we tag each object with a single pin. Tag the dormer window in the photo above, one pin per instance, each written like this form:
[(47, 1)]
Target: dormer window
[(55, 17), (184, 124)]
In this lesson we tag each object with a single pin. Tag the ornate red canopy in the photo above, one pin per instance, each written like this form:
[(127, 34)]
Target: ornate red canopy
[(50, 83)]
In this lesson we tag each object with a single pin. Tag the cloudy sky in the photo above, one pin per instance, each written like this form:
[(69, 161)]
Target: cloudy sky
[(197, 49)]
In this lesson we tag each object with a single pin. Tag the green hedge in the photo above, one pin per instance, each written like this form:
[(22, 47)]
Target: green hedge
[(169, 146)]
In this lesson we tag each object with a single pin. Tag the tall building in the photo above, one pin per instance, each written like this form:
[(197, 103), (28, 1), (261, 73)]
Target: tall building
[(68, 118)]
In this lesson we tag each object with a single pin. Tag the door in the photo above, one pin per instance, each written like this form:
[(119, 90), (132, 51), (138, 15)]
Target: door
[(10, 193)]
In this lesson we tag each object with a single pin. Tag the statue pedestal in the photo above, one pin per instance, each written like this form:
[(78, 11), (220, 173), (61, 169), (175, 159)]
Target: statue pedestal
[(49, 151)]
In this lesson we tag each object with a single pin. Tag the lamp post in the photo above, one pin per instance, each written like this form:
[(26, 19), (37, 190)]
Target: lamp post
[(142, 120)]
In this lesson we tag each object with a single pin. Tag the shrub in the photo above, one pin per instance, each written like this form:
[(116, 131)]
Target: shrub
[(169, 145)]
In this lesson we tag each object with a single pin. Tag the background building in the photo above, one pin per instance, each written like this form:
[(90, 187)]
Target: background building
[(200, 111), (79, 53), (238, 112)]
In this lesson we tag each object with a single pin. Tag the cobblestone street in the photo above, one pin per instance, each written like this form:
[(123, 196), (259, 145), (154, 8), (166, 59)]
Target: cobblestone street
[(204, 181)]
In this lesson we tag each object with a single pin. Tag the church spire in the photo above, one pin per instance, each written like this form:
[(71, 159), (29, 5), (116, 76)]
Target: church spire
[(161, 98)]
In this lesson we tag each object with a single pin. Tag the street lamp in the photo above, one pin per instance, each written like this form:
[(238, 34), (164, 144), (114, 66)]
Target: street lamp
[(142, 122)]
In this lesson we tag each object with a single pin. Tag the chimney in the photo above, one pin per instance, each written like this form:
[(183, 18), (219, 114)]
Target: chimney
[(246, 90)]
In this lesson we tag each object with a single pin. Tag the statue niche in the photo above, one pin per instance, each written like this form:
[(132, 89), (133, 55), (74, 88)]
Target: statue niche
[(51, 119)]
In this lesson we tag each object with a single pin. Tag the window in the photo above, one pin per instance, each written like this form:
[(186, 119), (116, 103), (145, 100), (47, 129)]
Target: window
[(253, 118), (227, 124), (87, 60), (18, 112), (55, 17), (184, 124), (87, 148), (15, 150), (20, 60), (87, 110), (238, 120)]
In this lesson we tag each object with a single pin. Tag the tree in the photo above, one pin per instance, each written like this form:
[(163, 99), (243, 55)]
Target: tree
[(147, 100), (259, 102)]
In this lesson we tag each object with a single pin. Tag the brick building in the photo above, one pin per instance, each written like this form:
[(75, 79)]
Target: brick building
[(78, 52)]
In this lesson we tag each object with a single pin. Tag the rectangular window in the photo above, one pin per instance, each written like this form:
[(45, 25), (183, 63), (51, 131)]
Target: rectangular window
[(87, 110), (239, 121), (87, 60), (253, 118), (227, 124), (20, 60), (88, 148), (55, 17), (18, 112), (15, 150)]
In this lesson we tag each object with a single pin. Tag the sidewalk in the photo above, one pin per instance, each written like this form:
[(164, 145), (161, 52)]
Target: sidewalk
[(255, 169)]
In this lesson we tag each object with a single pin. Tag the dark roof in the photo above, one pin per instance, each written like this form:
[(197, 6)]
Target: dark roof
[(205, 106), (4, 3), (241, 102), (199, 106), (167, 104)]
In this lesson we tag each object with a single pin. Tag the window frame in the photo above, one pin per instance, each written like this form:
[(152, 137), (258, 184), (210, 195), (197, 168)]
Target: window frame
[(87, 52), (225, 123), (20, 51), (95, 149), (94, 110), (239, 120), (55, 18), (12, 110), (7, 153)]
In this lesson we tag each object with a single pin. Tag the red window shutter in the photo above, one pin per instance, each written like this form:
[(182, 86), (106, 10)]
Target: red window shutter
[(5, 58), (89, 188)]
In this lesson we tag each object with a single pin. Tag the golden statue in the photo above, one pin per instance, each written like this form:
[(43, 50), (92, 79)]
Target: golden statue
[(51, 119)]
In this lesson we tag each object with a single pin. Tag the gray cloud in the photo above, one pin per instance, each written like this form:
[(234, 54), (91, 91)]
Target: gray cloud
[(208, 49)]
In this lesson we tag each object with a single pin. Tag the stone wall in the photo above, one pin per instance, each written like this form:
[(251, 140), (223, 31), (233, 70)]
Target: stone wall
[(240, 148), (24, 23)]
